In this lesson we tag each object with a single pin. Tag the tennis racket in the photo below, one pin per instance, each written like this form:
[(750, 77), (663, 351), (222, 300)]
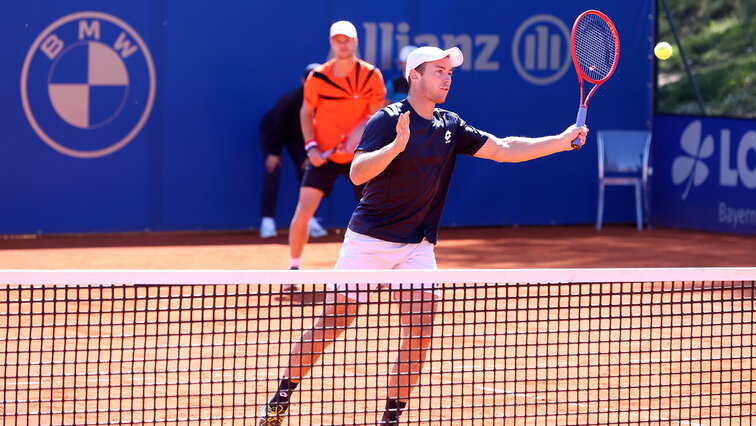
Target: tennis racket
[(595, 51), (350, 140)]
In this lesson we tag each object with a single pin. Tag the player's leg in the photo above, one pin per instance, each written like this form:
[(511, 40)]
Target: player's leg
[(417, 307), (417, 310), (339, 312), (316, 184), (268, 199), (309, 199), (299, 157)]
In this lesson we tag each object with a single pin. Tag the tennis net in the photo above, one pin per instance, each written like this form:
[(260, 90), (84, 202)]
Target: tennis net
[(591, 346)]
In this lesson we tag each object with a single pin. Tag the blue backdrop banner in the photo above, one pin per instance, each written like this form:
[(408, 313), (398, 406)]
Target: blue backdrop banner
[(143, 115), (705, 173)]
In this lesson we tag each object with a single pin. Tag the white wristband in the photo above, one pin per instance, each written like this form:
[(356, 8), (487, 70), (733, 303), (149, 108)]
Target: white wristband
[(310, 145)]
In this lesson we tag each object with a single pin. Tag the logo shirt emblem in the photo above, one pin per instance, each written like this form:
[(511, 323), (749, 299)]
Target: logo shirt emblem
[(690, 169), (88, 84), (447, 136)]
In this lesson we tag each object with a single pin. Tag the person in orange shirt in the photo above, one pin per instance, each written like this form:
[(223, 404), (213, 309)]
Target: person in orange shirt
[(339, 97)]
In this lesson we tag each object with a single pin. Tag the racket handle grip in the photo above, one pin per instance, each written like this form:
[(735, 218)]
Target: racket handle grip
[(579, 122)]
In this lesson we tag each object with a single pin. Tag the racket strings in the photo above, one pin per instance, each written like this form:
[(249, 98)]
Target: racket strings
[(595, 47)]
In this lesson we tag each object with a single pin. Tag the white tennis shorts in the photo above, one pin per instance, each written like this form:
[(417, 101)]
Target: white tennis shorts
[(360, 251)]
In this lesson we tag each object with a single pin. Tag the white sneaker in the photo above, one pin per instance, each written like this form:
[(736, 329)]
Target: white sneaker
[(315, 229), (268, 228)]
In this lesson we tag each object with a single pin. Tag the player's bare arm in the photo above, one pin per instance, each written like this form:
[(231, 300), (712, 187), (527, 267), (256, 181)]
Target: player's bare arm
[(516, 149), (306, 115), (367, 165)]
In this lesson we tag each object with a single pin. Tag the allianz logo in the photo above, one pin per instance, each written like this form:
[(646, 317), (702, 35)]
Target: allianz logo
[(540, 47), (383, 40), (692, 169)]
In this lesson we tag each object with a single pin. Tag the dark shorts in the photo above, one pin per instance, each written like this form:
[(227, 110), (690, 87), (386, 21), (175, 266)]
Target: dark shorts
[(324, 177)]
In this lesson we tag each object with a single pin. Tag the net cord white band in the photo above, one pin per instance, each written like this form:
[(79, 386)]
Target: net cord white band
[(68, 277)]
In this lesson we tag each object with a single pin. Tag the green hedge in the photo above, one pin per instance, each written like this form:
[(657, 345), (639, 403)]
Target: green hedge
[(719, 38)]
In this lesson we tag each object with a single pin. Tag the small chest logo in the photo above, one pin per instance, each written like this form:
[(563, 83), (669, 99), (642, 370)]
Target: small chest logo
[(447, 137), (88, 84)]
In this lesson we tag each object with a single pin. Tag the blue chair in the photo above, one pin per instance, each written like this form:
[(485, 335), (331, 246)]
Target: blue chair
[(623, 160)]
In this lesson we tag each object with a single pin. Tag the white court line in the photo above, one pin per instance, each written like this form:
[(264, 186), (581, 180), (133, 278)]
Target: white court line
[(499, 367)]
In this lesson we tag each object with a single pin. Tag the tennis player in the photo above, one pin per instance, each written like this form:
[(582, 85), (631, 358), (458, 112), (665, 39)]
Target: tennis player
[(338, 95), (406, 158)]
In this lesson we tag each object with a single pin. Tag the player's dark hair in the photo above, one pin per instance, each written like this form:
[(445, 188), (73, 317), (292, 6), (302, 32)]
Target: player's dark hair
[(421, 69)]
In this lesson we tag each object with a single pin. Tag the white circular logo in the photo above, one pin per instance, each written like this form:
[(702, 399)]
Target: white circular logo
[(88, 84), (540, 49)]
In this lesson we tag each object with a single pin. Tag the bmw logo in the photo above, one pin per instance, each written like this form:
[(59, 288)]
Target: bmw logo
[(88, 84)]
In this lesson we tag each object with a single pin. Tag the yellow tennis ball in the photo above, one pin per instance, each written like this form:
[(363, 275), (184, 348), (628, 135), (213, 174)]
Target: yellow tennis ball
[(663, 50)]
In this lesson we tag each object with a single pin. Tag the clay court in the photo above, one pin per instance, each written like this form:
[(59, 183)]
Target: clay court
[(579, 246), (522, 354)]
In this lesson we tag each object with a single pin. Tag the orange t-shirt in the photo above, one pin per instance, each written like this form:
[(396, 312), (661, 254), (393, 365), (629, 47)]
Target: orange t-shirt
[(341, 103)]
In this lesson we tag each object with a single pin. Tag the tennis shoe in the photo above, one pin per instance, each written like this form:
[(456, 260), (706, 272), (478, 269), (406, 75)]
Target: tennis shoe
[(315, 229), (268, 228), (272, 414)]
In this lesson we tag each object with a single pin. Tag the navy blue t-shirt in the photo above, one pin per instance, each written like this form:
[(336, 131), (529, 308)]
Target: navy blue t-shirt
[(404, 203)]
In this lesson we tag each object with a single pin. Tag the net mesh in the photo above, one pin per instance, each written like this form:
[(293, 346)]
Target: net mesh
[(595, 47), (537, 351)]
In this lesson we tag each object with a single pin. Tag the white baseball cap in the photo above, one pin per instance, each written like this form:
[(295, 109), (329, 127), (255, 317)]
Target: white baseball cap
[(343, 27), (406, 50), (425, 54)]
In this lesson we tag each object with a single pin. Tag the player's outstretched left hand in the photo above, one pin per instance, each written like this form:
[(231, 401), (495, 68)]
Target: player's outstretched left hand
[(571, 133), (402, 131)]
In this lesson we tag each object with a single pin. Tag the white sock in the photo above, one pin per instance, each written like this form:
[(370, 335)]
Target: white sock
[(294, 262)]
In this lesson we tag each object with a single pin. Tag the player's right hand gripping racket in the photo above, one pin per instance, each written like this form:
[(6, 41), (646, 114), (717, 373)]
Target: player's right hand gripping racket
[(350, 140), (595, 51)]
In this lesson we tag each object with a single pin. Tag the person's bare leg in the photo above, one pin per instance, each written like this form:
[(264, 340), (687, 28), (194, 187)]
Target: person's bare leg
[(417, 310), (309, 199), (338, 313)]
